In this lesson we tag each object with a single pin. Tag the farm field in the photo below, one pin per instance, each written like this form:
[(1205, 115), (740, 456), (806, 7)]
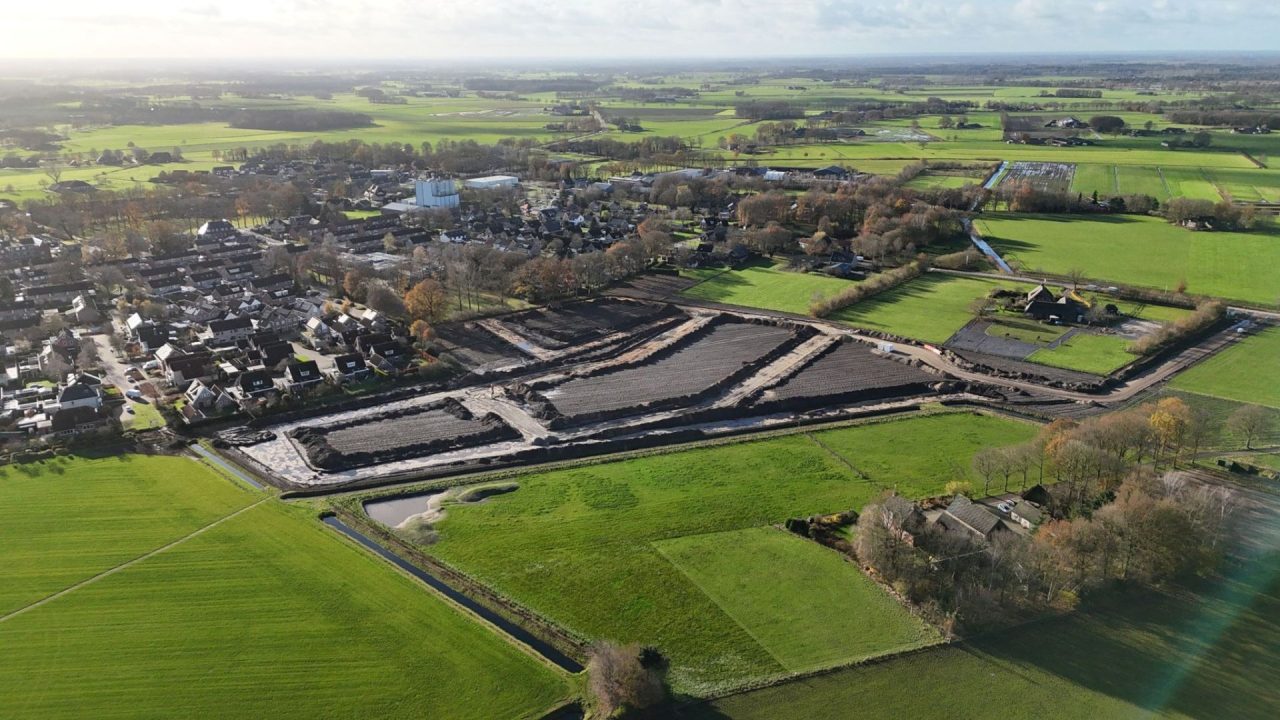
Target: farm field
[(1236, 266), (762, 286), (930, 308), (854, 618), (267, 599), (1201, 656), (587, 560), (1087, 352), (929, 181), (51, 542), (1247, 372)]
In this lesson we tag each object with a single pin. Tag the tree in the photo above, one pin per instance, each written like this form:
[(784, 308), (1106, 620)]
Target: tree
[(53, 168), (379, 296), (1170, 421), (770, 239), (624, 677), (982, 307), (1107, 123), (426, 301), (1247, 423), (988, 463), (353, 283), (1075, 275)]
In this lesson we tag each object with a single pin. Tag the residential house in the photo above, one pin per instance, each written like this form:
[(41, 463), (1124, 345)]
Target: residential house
[(349, 368), (389, 357), (253, 384), (208, 399), (300, 376), (220, 229), (78, 419), (81, 391), (228, 331), (181, 367), (83, 311)]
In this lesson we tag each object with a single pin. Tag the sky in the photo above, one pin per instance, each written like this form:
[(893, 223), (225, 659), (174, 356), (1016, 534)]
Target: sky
[(618, 29)]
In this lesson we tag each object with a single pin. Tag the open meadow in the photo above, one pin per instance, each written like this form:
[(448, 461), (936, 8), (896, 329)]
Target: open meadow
[(604, 550), (762, 285), (1087, 352), (857, 618), (1247, 372), (1121, 249), (930, 308), (1199, 656), (249, 609)]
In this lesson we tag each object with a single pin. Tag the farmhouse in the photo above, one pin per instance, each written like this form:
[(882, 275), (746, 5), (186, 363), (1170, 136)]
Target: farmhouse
[(965, 516), (1026, 514), (1041, 304)]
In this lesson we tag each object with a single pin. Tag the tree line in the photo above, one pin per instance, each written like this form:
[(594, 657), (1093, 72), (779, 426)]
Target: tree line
[(1113, 519)]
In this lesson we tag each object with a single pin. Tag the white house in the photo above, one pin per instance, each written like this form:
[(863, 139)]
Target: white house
[(225, 332)]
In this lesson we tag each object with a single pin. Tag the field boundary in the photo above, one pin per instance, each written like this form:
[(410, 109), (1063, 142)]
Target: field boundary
[(127, 564), (725, 611)]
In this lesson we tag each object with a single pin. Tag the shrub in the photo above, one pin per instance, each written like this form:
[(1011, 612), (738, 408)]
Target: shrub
[(872, 286), (624, 677), (1205, 316), (966, 259)]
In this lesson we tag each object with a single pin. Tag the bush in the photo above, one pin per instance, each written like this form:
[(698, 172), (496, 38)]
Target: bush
[(872, 286), (1205, 316), (624, 678), (966, 259)]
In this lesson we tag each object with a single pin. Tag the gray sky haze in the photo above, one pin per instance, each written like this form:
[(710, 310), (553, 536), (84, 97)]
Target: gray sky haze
[(609, 29)]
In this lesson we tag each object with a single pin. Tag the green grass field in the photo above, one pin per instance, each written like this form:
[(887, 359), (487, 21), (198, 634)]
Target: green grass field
[(1087, 352), (586, 555), (1203, 652), (930, 308), (268, 614), (763, 286), (72, 519), (841, 616), (1247, 372), (1199, 657), (1121, 249)]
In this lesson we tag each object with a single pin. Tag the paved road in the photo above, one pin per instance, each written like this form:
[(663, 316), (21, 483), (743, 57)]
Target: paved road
[(113, 367)]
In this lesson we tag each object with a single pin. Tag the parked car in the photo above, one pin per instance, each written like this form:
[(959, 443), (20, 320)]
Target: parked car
[(1004, 507), (133, 394)]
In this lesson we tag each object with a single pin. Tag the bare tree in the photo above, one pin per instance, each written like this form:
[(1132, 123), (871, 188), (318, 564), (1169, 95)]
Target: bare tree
[(1248, 423), (620, 679)]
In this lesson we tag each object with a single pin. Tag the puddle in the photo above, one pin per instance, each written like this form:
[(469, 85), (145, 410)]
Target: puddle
[(394, 511)]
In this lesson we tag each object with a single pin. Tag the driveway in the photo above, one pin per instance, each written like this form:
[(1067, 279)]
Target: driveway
[(325, 362)]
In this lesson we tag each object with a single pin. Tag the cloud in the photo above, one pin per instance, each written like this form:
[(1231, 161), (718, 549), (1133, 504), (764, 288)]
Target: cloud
[(620, 29)]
